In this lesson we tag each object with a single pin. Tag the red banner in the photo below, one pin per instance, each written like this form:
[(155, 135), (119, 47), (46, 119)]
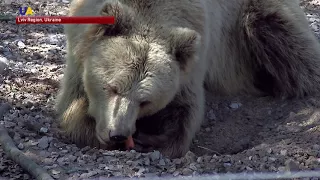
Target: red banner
[(65, 20)]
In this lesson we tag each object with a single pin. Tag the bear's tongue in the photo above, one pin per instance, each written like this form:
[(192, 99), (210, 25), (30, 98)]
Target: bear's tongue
[(129, 143)]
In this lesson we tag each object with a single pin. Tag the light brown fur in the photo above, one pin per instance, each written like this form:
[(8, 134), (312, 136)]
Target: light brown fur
[(145, 75)]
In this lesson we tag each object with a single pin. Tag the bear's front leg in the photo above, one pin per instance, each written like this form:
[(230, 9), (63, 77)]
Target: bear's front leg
[(172, 129)]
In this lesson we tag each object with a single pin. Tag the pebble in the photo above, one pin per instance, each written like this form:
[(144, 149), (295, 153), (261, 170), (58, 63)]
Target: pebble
[(155, 155), (150, 175), (89, 174), (43, 142), (284, 152), (26, 176), (21, 44), (176, 173), (8, 124), (61, 161), (162, 163), (147, 161), (199, 159), (272, 159), (211, 115), (227, 164), (177, 161), (172, 169), (4, 108), (44, 154), (190, 157), (85, 149), (20, 146), (316, 147), (291, 165), (43, 130), (55, 172), (235, 105), (187, 171), (72, 158), (193, 167), (3, 64), (281, 168)]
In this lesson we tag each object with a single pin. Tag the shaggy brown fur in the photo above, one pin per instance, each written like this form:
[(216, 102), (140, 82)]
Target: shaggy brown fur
[(145, 75)]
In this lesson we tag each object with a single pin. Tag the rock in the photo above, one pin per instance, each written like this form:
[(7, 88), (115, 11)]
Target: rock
[(85, 149), (284, 152), (227, 164), (193, 167), (56, 176), (187, 171), (43, 142), (21, 44), (316, 147), (190, 157), (291, 165), (43, 130), (235, 105), (61, 161), (8, 124), (177, 161), (272, 159), (26, 176), (64, 152), (4, 108), (44, 154), (172, 169), (3, 64), (199, 159), (21, 146), (149, 175), (211, 115), (162, 163), (72, 158), (281, 168), (8, 2), (155, 155), (102, 166), (176, 173), (88, 175), (55, 172), (140, 172)]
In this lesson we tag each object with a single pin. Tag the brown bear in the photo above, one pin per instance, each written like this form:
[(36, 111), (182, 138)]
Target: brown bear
[(144, 76)]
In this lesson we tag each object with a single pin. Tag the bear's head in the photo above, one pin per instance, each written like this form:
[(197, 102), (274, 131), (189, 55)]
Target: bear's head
[(132, 69)]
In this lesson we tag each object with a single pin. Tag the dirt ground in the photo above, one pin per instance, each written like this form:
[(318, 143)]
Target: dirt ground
[(239, 134)]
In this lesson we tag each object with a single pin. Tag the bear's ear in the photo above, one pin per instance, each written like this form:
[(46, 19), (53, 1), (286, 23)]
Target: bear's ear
[(123, 18), (123, 25), (123, 15), (184, 44)]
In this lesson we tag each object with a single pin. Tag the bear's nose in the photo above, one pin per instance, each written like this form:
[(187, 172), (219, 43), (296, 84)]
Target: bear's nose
[(117, 137)]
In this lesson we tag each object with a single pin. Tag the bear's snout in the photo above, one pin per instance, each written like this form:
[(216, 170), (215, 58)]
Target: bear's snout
[(119, 135)]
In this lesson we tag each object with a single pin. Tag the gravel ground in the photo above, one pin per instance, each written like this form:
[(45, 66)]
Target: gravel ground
[(239, 134)]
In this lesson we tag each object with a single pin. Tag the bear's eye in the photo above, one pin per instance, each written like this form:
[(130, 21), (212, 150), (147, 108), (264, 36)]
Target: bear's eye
[(111, 88), (144, 103)]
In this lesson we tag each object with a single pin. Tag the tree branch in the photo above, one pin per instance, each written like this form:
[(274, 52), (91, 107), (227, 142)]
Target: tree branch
[(16, 155)]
